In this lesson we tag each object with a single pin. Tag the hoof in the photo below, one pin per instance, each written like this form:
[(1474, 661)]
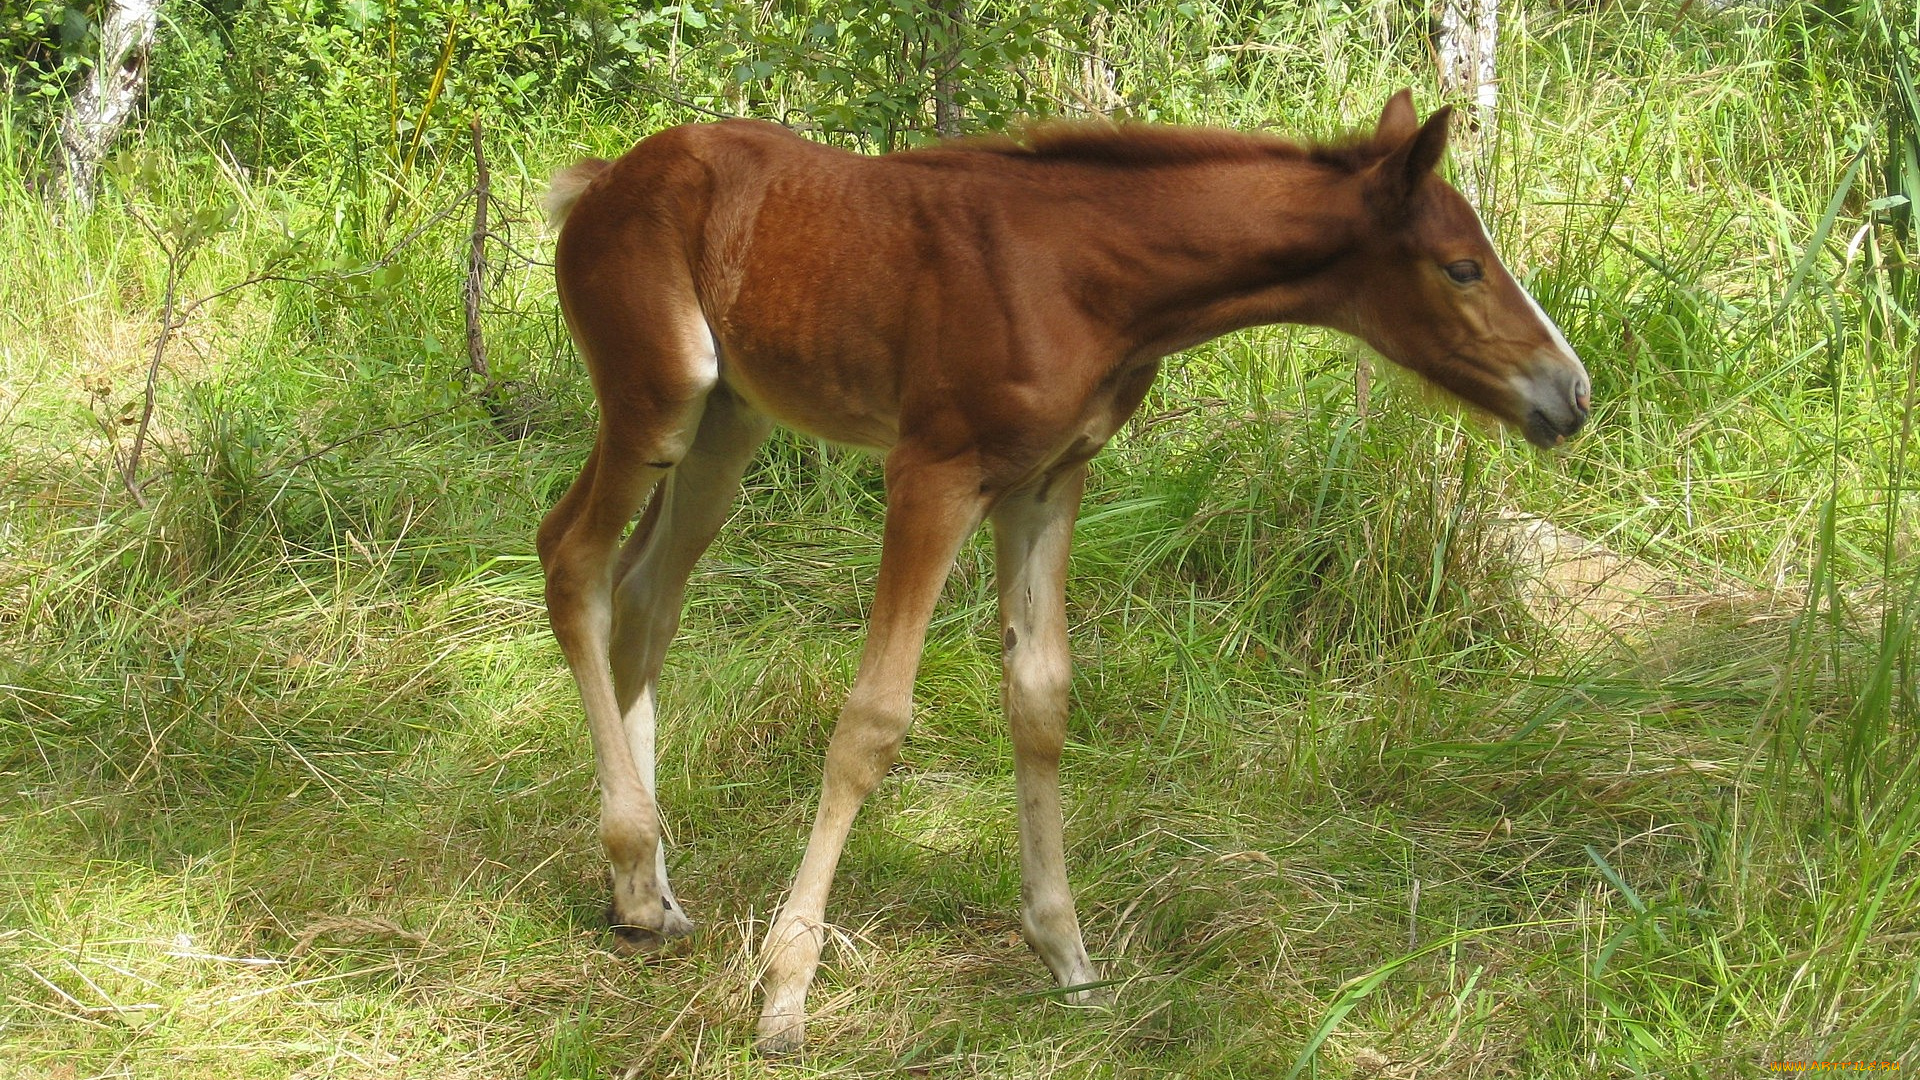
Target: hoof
[(1095, 997), (671, 939), (781, 1036)]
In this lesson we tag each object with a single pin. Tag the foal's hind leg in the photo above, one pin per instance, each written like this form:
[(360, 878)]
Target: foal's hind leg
[(650, 404), (1032, 531), (689, 508)]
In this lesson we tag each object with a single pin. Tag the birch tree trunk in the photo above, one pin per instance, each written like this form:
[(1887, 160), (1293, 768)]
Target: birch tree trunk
[(946, 110), (109, 98), (1099, 88), (1469, 30)]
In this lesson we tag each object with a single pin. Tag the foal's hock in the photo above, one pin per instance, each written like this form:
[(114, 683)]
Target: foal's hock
[(986, 314)]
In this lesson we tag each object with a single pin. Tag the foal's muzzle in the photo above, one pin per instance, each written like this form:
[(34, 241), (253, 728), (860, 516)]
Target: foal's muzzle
[(1555, 401)]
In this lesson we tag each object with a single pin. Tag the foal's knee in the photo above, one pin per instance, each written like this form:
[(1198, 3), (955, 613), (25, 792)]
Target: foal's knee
[(867, 740), (1035, 691)]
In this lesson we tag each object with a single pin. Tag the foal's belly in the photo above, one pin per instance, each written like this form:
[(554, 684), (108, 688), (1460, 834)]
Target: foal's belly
[(837, 399)]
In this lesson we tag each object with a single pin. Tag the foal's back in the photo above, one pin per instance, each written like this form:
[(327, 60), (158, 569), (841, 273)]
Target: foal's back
[(841, 291)]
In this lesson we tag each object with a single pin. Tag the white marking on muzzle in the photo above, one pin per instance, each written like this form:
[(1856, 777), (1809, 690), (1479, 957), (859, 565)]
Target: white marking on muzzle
[(1553, 328)]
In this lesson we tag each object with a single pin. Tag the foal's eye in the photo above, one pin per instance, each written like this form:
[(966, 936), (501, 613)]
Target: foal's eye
[(1466, 271)]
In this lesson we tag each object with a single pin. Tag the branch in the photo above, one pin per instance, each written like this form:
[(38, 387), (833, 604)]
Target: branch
[(438, 216), (169, 322), (475, 293), (358, 435), (477, 259)]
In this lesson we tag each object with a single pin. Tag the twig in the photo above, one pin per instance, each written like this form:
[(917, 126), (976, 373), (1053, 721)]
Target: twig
[(519, 256), (174, 315), (187, 309), (477, 259), (169, 322), (437, 217), (338, 443), (685, 103), (475, 293)]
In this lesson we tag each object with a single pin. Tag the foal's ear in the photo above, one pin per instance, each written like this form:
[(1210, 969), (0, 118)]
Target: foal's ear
[(1427, 147), (1397, 175), (1397, 120)]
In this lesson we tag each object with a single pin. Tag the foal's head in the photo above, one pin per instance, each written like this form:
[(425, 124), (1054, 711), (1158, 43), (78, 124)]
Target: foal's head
[(1428, 292)]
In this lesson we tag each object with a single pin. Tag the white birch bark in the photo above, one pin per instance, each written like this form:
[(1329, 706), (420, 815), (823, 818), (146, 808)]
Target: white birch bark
[(1469, 31), (107, 101), (1099, 90)]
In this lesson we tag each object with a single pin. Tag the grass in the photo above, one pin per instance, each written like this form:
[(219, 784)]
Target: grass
[(296, 786)]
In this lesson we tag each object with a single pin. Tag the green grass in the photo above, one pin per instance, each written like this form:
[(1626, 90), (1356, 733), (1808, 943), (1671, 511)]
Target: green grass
[(295, 782)]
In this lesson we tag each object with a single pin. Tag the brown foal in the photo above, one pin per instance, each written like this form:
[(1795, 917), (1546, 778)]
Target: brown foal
[(987, 315)]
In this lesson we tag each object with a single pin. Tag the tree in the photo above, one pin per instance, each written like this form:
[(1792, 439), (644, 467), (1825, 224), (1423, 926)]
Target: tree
[(1468, 32), (107, 100), (951, 19)]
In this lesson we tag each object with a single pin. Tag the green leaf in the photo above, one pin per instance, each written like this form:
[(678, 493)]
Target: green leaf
[(1613, 878), (212, 219), (1820, 231), (74, 25)]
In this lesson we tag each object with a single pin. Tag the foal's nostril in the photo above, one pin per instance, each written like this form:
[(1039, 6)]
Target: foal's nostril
[(1559, 400)]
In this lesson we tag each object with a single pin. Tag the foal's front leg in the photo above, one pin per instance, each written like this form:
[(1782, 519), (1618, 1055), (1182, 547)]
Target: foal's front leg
[(1032, 533), (931, 508)]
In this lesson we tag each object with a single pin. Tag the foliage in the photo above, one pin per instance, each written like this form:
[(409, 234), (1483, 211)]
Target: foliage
[(1890, 40), (870, 71), (345, 78), (45, 45)]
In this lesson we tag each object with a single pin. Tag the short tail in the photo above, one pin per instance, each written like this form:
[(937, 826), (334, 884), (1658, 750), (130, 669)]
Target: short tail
[(567, 185)]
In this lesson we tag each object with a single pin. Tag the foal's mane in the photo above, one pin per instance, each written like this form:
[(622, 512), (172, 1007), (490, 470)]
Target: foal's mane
[(1144, 145)]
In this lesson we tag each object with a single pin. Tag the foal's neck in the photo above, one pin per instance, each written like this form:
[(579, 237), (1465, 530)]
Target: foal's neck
[(1200, 250)]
